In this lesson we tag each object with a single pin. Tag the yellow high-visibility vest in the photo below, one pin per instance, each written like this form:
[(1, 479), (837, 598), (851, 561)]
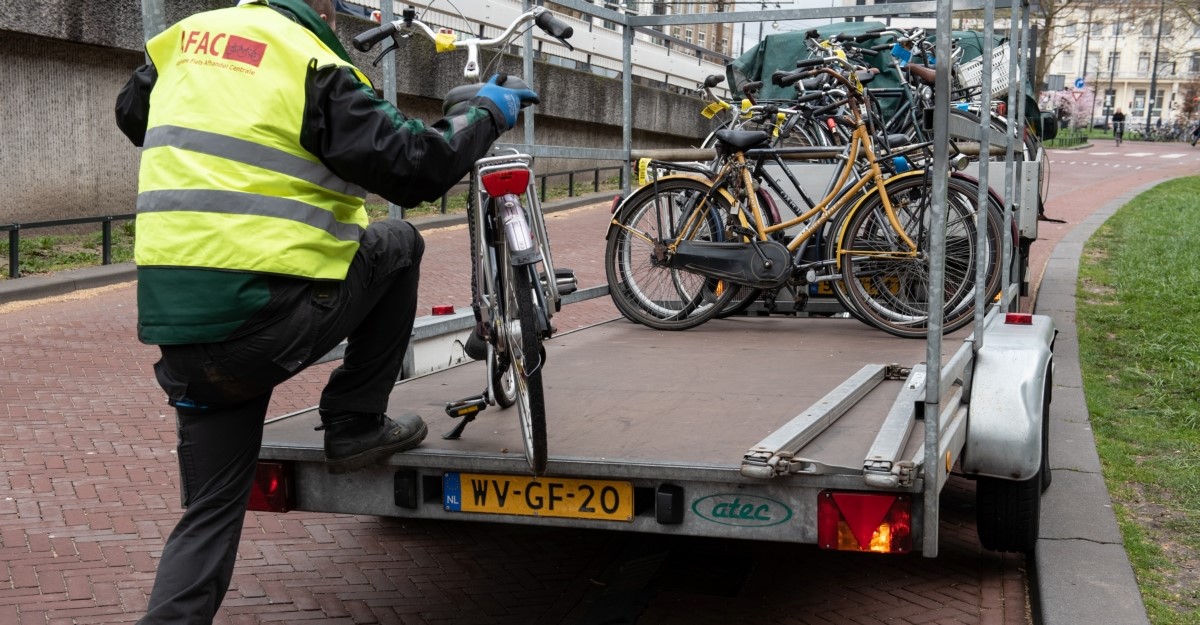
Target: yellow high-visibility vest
[(224, 183)]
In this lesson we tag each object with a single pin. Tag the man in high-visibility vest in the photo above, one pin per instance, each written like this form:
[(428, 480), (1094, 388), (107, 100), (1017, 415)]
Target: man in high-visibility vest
[(255, 257)]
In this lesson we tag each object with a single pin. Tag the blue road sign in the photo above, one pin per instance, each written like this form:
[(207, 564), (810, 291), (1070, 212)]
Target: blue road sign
[(1079, 83)]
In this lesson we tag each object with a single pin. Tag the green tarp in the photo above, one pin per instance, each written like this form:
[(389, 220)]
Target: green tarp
[(782, 50)]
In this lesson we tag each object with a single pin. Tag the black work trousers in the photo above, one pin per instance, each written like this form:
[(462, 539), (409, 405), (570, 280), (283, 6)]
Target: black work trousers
[(221, 392)]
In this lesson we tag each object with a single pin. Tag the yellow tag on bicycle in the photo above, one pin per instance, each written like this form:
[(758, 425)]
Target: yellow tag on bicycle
[(779, 119), (445, 41), (643, 174), (746, 104), (714, 108)]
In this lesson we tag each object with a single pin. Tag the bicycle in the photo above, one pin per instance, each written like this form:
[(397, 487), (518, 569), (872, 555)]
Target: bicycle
[(512, 298), (665, 247)]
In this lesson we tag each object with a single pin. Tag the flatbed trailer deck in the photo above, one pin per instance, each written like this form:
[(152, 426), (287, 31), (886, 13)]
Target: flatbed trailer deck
[(673, 414)]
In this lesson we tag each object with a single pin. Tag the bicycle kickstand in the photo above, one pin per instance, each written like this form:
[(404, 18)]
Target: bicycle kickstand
[(464, 409)]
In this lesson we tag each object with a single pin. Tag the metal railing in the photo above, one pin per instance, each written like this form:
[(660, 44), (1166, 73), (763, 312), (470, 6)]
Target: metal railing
[(14, 230), (572, 175), (14, 237), (595, 172), (1068, 139)]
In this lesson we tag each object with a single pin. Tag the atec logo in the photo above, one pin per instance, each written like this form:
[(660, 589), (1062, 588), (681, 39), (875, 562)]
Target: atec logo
[(222, 45), (741, 510)]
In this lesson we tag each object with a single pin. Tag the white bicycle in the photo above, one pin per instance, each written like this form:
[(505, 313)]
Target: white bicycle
[(516, 288)]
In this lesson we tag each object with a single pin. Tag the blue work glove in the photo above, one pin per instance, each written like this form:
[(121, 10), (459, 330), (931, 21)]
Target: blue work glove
[(508, 100)]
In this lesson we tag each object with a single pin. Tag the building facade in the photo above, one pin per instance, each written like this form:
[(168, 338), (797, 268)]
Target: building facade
[(1142, 57)]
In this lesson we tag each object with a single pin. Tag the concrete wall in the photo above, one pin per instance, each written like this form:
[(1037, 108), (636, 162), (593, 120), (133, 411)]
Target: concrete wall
[(62, 63)]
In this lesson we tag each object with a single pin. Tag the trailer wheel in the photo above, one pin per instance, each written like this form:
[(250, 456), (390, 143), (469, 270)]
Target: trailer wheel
[(1007, 513)]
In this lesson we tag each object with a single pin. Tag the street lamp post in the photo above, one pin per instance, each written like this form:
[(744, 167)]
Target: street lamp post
[(1112, 67), (1150, 97), (1087, 40)]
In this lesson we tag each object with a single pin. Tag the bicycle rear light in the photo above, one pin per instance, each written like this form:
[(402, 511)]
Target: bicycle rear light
[(444, 309), (272, 489), (880, 523), (506, 181)]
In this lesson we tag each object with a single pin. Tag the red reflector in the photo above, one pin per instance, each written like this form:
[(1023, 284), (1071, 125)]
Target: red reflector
[(829, 122), (864, 522), (616, 201), (1002, 108), (272, 489), (507, 181), (1020, 319), (443, 310)]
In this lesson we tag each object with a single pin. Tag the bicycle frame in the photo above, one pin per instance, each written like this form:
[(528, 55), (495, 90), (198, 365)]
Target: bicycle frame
[(508, 211), (841, 194)]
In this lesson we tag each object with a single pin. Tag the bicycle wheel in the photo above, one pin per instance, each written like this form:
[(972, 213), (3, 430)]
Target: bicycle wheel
[(640, 283), (525, 355), (890, 290)]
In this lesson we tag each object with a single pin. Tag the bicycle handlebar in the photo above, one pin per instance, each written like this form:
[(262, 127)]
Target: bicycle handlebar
[(447, 41)]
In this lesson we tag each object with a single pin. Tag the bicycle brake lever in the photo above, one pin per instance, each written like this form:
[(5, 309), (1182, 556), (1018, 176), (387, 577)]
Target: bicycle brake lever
[(379, 58)]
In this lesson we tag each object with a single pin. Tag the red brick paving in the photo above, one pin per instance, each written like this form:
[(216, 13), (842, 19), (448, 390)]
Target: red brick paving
[(89, 490)]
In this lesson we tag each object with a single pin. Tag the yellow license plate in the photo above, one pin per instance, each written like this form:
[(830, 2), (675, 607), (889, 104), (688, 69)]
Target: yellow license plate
[(893, 285), (603, 500)]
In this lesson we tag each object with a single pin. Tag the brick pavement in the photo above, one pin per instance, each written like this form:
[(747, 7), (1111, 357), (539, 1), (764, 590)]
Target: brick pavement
[(89, 490)]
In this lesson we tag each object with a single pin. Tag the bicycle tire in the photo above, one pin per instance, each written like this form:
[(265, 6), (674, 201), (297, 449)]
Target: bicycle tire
[(526, 357), (642, 288), (891, 293)]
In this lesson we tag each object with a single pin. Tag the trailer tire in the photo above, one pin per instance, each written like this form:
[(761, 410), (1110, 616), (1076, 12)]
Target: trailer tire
[(1007, 513)]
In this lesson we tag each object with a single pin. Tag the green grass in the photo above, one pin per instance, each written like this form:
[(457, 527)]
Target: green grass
[(41, 254), (1139, 332)]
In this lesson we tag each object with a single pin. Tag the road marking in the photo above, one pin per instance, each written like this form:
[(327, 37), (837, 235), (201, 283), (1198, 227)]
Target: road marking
[(1173, 155), (1140, 154), (1104, 153)]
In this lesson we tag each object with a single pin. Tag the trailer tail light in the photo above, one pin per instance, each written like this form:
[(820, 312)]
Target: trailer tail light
[(849, 521), (506, 181), (272, 489), (1018, 319)]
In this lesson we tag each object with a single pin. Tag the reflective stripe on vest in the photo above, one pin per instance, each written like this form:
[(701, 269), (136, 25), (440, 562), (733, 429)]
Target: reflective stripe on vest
[(224, 182), (250, 153)]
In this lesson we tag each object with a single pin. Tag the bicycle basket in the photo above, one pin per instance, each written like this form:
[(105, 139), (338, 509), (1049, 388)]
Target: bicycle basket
[(970, 73)]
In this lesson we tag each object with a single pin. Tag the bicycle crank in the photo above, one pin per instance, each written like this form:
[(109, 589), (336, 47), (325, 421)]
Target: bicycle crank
[(758, 264)]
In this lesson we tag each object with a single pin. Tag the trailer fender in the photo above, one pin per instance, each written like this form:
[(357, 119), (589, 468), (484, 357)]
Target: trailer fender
[(1008, 384)]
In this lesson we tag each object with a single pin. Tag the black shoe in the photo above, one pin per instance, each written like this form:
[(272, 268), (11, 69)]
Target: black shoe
[(476, 346), (355, 440)]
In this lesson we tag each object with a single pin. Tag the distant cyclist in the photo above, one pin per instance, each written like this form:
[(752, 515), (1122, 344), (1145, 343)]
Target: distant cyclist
[(1118, 122)]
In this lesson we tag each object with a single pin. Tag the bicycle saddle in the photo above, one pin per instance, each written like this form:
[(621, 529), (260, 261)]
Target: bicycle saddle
[(741, 140), (892, 140), (922, 72)]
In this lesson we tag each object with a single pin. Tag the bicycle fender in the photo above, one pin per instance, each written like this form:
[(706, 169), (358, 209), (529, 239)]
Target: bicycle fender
[(1008, 399), (619, 213), (995, 197), (845, 219)]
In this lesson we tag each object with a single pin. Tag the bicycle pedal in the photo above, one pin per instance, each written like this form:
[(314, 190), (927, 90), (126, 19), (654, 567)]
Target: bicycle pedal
[(468, 407), (564, 281)]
